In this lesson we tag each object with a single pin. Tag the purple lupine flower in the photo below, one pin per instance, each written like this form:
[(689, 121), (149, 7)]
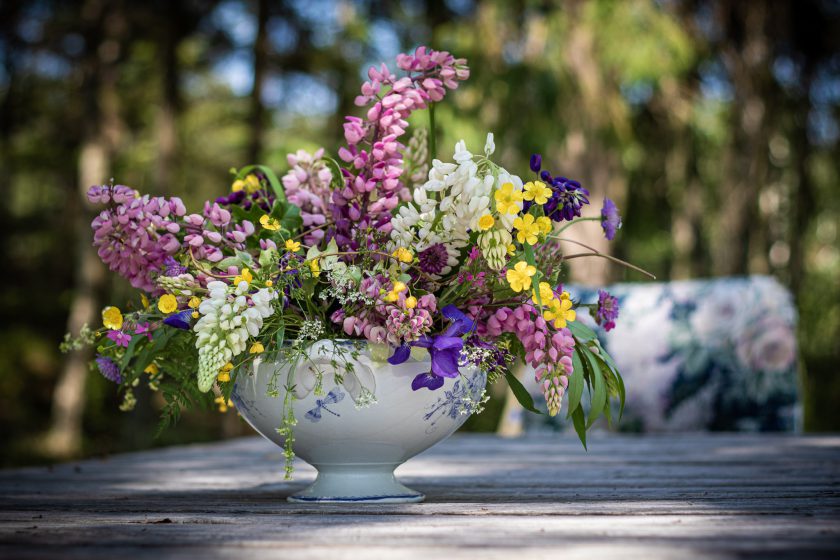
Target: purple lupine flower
[(108, 368), (610, 218), (607, 311), (433, 259), (536, 163), (121, 338)]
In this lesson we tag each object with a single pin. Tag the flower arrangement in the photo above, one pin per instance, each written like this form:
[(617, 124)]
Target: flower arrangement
[(385, 246)]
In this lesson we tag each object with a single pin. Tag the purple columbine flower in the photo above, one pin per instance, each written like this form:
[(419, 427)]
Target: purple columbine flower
[(433, 259), (179, 320), (536, 163), (610, 218), (444, 349), (108, 368), (121, 338), (607, 311)]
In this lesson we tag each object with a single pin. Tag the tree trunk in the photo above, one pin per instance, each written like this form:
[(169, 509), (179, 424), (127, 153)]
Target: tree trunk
[(745, 166), (106, 28), (167, 131), (586, 157), (257, 139)]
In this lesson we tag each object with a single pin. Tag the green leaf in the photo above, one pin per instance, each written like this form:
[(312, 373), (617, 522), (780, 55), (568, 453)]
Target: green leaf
[(581, 332), (580, 425), (273, 181), (521, 393), (129, 352), (245, 258), (599, 395), (576, 383), (610, 363), (226, 262), (280, 335), (335, 169)]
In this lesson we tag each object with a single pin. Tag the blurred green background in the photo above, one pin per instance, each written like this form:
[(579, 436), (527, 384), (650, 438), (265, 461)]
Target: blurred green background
[(713, 125)]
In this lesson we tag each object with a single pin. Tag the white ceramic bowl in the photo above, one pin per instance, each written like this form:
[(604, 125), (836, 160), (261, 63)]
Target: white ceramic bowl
[(356, 449)]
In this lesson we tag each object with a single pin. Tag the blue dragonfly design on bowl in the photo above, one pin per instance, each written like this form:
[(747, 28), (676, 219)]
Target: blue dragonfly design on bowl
[(333, 397), (460, 400)]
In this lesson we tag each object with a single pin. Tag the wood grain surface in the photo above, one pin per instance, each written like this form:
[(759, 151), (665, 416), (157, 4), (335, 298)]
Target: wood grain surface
[(675, 496)]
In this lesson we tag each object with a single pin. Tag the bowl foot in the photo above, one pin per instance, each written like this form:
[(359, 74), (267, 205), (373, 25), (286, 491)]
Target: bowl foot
[(358, 484)]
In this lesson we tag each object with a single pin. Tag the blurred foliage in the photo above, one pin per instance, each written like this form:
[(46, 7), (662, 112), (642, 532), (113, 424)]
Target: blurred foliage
[(713, 125)]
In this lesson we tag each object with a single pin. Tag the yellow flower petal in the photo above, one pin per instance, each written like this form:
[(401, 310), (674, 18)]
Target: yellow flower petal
[(167, 303), (112, 318), (292, 246), (486, 222), (403, 255), (269, 223), (257, 348)]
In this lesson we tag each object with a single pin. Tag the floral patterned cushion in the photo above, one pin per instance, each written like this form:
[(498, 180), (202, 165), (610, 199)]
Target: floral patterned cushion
[(701, 355)]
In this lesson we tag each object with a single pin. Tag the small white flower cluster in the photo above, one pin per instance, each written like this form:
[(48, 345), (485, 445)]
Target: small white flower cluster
[(311, 330), (227, 322)]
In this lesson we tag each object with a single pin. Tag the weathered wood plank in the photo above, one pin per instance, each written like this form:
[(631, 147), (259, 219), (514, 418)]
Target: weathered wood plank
[(711, 496)]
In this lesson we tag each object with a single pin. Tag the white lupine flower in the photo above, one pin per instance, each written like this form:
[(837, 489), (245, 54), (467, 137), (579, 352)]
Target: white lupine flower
[(226, 323), (461, 196), (489, 145)]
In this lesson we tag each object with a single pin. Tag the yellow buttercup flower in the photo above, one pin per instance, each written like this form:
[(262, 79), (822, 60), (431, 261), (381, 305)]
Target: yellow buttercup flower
[(269, 283), (511, 249), (269, 223), (292, 246), (151, 369), (250, 184), (194, 302), (224, 405), (403, 255), (411, 302), (195, 314), (527, 230), (506, 199), (315, 267), (395, 292), (244, 276), (112, 318), (536, 191), (560, 311), (519, 277), (546, 293), (224, 373), (167, 303), (486, 222), (257, 348), (544, 224)]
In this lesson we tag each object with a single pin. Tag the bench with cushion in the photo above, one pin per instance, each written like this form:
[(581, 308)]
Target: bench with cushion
[(701, 355)]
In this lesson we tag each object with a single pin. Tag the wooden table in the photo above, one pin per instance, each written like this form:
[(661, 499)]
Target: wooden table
[(682, 496)]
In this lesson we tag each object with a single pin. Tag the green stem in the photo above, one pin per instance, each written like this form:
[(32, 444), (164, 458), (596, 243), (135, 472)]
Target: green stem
[(432, 133), (570, 224)]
